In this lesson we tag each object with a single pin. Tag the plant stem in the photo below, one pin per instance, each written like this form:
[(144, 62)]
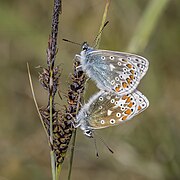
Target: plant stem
[(34, 98), (98, 39), (146, 25), (58, 171), (53, 162), (72, 154), (50, 61), (53, 167)]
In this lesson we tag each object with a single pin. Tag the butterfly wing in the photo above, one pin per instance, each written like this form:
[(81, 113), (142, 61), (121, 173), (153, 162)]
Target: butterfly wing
[(115, 71), (143, 102), (109, 109)]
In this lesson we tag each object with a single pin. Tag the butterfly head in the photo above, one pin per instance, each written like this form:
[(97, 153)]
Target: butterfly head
[(82, 122), (86, 48), (88, 133)]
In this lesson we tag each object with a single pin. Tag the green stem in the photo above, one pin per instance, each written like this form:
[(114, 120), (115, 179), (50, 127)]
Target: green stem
[(98, 39), (51, 106), (34, 98), (53, 167), (146, 25), (72, 154), (58, 171), (53, 162)]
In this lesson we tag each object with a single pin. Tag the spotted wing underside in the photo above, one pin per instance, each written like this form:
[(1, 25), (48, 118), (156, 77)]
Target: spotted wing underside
[(109, 109), (115, 71)]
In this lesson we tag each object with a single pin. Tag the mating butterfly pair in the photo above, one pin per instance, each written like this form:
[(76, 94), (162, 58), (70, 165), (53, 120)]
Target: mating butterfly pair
[(117, 75)]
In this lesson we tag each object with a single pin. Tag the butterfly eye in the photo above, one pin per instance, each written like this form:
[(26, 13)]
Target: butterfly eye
[(85, 46), (88, 133)]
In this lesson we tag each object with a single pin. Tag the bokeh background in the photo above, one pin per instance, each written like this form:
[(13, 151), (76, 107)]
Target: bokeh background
[(146, 148)]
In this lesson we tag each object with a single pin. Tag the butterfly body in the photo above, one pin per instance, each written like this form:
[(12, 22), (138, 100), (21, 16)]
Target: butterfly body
[(113, 71), (106, 109)]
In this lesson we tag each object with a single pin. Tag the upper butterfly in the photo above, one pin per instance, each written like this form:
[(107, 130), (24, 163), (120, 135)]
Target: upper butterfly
[(113, 71)]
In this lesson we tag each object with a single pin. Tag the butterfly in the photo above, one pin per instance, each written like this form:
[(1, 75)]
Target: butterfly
[(106, 109), (117, 72)]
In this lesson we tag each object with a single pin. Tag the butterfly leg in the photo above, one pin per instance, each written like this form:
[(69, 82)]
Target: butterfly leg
[(77, 56), (73, 121), (87, 80), (79, 68)]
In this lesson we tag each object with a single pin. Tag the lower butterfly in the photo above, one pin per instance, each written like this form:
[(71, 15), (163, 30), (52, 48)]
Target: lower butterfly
[(106, 109)]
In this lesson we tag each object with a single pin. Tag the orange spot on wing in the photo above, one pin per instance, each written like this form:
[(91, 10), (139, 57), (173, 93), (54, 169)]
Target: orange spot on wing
[(130, 104), (124, 118), (139, 108), (128, 100), (128, 111), (129, 66), (117, 88), (124, 97), (124, 84), (132, 71), (128, 80), (131, 76)]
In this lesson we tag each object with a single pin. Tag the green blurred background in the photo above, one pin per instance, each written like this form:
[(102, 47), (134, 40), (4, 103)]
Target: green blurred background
[(146, 148)]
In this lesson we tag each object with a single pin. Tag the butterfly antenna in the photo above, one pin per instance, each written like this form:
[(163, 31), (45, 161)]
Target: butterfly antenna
[(102, 140), (97, 154), (97, 38), (96, 149), (72, 42)]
